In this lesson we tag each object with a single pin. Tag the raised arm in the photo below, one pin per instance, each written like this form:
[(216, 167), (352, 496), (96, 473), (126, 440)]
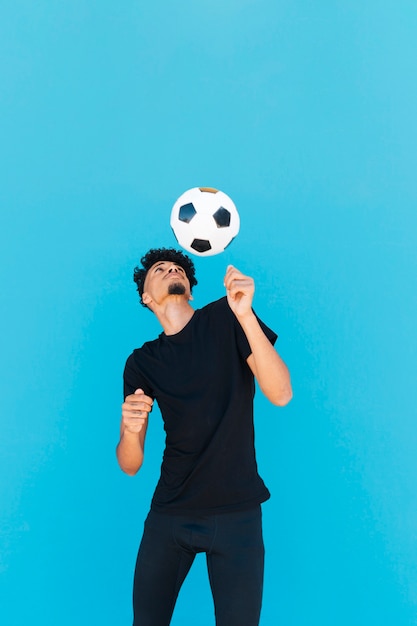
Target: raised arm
[(267, 366), (130, 449)]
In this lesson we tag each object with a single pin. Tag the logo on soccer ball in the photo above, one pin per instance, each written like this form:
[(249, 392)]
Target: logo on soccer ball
[(205, 221)]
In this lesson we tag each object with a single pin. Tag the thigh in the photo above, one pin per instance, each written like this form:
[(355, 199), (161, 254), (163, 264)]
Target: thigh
[(161, 568), (236, 567)]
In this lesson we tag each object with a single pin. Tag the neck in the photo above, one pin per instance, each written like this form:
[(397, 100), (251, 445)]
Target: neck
[(174, 316)]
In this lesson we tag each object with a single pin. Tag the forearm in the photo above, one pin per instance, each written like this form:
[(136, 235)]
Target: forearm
[(269, 369), (130, 452)]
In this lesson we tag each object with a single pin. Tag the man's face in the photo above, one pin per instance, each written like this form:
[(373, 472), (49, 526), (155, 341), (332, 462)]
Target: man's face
[(164, 279)]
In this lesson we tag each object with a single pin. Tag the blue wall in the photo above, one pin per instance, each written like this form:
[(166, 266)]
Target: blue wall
[(305, 116)]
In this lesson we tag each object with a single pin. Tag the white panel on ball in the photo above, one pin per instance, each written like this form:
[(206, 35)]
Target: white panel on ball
[(205, 221)]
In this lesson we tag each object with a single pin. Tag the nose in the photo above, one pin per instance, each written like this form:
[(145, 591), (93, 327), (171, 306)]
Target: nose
[(173, 268)]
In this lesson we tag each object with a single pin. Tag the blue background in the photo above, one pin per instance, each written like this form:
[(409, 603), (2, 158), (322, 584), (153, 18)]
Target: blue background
[(305, 114)]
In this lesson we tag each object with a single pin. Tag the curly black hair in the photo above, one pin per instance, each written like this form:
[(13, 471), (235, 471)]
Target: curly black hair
[(162, 254)]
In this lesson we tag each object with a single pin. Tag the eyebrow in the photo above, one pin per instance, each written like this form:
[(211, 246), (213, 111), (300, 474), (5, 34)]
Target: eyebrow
[(163, 262)]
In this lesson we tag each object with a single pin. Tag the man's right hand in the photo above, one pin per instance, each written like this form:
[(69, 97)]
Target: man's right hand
[(135, 411)]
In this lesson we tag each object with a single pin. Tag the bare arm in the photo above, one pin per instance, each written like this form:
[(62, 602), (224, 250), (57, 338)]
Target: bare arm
[(267, 366), (130, 449)]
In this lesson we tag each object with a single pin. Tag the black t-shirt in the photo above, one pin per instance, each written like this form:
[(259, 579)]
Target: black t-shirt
[(204, 389)]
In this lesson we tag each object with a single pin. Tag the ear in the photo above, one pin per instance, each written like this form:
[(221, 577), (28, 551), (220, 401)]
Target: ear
[(190, 297), (146, 298)]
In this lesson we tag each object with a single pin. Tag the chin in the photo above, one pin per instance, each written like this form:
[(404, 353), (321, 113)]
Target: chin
[(176, 289)]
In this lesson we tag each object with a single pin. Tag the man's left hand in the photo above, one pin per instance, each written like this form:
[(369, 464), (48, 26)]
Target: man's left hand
[(240, 290)]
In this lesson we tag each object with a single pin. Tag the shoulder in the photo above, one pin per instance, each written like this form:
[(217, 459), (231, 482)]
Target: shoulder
[(139, 359), (217, 307), (216, 314), (148, 347), (217, 311)]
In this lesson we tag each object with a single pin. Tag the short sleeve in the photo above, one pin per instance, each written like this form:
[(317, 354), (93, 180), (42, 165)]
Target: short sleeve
[(242, 342), (133, 378)]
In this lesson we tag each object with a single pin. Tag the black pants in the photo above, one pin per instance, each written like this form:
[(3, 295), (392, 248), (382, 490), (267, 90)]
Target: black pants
[(234, 550)]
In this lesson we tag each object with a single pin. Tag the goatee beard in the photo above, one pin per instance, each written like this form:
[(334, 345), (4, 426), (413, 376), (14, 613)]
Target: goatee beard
[(176, 289)]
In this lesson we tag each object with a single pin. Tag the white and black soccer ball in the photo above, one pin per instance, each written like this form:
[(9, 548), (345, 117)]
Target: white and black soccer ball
[(205, 221)]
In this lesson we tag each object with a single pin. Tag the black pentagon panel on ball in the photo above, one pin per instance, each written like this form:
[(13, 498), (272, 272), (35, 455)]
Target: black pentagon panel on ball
[(222, 217), (186, 212), (201, 245)]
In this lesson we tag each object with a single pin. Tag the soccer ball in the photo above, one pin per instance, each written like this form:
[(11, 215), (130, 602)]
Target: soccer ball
[(205, 221)]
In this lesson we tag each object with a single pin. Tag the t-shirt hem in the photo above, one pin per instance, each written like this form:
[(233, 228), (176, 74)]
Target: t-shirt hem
[(215, 510)]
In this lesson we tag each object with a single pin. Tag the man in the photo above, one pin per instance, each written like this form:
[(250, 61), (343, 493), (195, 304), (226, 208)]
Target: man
[(201, 371)]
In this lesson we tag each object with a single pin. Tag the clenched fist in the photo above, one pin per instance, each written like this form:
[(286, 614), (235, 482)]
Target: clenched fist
[(135, 411)]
